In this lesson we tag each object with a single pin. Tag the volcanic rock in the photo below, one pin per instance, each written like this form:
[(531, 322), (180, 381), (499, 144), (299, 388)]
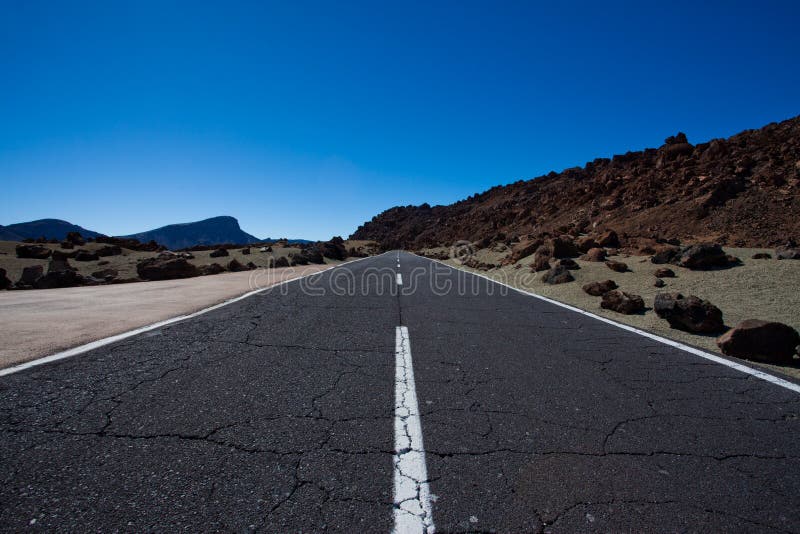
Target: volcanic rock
[(765, 341), (598, 289), (165, 269), (557, 275), (690, 314), (622, 302)]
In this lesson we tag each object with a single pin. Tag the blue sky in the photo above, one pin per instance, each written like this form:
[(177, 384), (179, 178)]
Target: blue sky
[(304, 119)]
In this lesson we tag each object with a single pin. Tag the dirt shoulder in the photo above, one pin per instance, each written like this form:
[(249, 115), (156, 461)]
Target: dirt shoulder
[(41, 322), (757, 289)]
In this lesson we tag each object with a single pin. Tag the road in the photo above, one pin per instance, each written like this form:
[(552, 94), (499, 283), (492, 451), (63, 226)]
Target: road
[(357, 400)]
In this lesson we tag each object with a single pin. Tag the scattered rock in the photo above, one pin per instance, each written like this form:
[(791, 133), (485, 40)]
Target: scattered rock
[(704, 256), (762, 256), (563, 247), (664, 272), (585, 243), (690, 314), (557, 275), (334, 250), (281, 262), (106, 274), (598, 289), (788, 254), (165, 269), (622, 302), (75, 238), (245, 251), (213, 268), (109, 250), (568, 263), (219, 253), (595, 254), (659, 283), (234, 266), (764, 341), (523, 249), (59, 274), (5, 283), (85, 255), (540, 263), (29, 276), (35, 252), (609, 239), (617, 266), (666, 255), (251, 266)]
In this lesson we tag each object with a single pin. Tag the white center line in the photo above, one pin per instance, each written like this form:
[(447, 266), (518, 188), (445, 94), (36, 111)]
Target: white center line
[(399, 279), (412, 497)]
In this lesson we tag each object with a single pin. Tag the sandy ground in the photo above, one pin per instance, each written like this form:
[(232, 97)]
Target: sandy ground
[(758, 289), (38, 323)]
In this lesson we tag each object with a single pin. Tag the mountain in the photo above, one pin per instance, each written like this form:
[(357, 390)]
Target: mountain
[(49, 228), (213, 231), (742, 191)]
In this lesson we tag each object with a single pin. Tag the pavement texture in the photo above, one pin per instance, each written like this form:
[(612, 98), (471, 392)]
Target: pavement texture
[(41, 322), (276, 414)]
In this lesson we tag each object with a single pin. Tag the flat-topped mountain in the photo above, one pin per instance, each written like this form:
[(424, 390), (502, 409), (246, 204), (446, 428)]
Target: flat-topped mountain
[(744, 191)]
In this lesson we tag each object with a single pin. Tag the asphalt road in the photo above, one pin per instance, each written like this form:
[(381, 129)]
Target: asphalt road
[(278, 414)]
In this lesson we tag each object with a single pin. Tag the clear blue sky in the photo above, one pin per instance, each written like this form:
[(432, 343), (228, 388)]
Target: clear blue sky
[(306, 119)]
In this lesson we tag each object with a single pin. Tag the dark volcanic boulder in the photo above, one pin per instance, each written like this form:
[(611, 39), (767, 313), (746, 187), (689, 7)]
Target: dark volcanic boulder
[(5, 283), (234, 266), (557, 275), (106, 274), (666, 255), (251, 265), (313, 255), (563, 247), (762, 256), (690, 314), (541, 262), (622, 302), (109, 250), (281, 262), (299, 259), (333, 249), (165, 269), (664, 272), (75, 238), (523, 249), (214, 268), (35, 252), (608, 239), (245, 251), (788, 254), (585, 243), (595, 254), (54, 279), (29, 276), (219, 253), (568, 263), (598, 289), (703, 256), (760, 340), (659, 283), (85, 255), (617, 266)]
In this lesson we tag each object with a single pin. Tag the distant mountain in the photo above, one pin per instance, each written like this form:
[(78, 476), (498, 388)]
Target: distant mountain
[(49, 228), (213, 231)]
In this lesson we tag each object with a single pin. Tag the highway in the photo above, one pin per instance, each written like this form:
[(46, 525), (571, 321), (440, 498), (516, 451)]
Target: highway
[(396, 394)]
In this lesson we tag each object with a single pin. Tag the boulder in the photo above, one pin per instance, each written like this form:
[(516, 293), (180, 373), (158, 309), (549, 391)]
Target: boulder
[(667, 254), (622, 302), (598, 289), (595, 254), (29, 276), (5, 283), (333, 250), (313, 255), (762, 256), (299, 259), (75, 238), (557, 275), (585, 243), (245, 251), (59, 276), (106, 274), (659, 283), (764, 341), (788, 254), (281, 262), (234, 266), (219, 253), (58, 265), (213, 268), (35, 252), (85, 255), (251, 265), (165, 269), (523, 249), (563, 247), (608, 239), (568, 263), (540, 263), (109, 250), (617, 266), (664, 272), (690, 314), (703, 256)]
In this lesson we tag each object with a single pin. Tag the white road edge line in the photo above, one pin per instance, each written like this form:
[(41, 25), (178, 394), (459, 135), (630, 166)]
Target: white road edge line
[(678, 345), (412, 496), (124, 335), (399, 279)]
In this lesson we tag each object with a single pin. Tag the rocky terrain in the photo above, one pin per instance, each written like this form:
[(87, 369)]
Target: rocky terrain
[(741, 191), (47, 228)]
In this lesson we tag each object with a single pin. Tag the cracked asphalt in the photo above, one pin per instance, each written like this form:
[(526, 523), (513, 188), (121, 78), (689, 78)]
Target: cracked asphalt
[(276, 414)]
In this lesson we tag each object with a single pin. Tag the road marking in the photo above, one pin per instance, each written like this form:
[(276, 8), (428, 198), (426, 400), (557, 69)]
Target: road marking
[(124, 335), (399, 279), (412, 496), (686, 348)]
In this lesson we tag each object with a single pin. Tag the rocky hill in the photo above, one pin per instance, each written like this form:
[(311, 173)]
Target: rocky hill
[(215, 230), (741, 191)]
